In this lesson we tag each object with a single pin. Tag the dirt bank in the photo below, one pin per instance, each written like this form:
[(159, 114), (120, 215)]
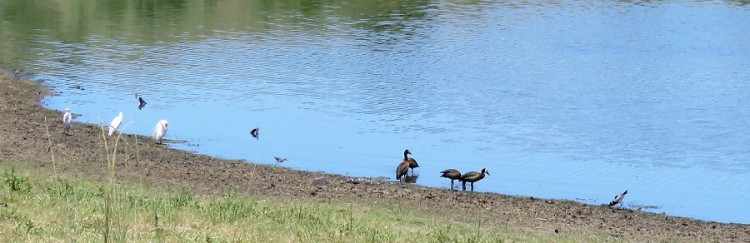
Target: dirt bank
[(25, 139)]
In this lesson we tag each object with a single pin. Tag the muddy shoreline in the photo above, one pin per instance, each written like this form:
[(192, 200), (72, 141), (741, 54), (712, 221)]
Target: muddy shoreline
[(27, 141)]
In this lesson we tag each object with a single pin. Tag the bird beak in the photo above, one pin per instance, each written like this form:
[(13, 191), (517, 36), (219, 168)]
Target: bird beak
[(488, 173)]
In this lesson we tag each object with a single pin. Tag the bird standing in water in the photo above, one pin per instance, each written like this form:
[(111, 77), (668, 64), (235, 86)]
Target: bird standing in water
[(473, 176), (405, 164), (160, 130), (141, 103), (618, 199), (452, 174), (254, 132)]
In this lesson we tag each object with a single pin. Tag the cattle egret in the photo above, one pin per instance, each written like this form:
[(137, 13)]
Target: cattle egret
[(115, 124), (159, 130), (67, 117)]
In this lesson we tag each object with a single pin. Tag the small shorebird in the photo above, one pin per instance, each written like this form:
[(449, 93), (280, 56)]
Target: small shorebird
[(279, 159), (67, 117), (618, 199), (115, 124), (452, 174), (473, 176), (141, 103), (160, 130), (254, 132)]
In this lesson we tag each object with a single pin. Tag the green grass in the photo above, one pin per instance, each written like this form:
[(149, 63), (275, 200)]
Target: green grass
[(38, 207)]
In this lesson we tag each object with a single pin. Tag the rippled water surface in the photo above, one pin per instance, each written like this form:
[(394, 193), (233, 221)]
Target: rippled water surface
[(558, 99)]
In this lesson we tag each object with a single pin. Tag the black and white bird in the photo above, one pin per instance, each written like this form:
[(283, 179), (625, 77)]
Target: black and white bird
[(67, 117), (618, 199), (254, 132), (279, 159)]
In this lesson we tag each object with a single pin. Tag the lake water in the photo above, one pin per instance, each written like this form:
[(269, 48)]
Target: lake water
[(558, 99)]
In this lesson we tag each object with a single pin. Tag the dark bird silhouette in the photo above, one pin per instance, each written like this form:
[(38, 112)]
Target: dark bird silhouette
[(279, 159), (473, 176), (412, 162), (254, 132), (405, 164), (452, 174), (402, 169), (618, 199), (141, 103)]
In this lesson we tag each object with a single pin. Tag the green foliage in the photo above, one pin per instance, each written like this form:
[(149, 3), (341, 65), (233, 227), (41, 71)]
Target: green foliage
[(17, 183), (74, 210)]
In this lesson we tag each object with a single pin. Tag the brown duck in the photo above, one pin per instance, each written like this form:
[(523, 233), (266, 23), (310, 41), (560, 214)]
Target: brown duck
[(405, 164), (452, 174), (473, 176)]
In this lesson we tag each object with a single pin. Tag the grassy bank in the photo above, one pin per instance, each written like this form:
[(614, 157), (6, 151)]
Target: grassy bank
[(37, 207)]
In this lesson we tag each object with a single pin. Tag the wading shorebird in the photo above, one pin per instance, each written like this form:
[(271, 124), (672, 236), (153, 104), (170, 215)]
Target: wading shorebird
[(254, 132), (473, 176), (279, 159), (405, 164), (618, 199), (452, 174)]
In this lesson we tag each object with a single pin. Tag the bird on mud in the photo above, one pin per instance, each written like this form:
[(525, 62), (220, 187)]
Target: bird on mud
[(254, 132), (473, 176), (279, 159), (67, 117), (618, 199), (160, 130), (141, 103), (404, 165), (452, 174), (115, 124)]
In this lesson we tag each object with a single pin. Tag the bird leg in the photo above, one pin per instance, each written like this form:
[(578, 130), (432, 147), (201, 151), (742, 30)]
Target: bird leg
[(472, 186)]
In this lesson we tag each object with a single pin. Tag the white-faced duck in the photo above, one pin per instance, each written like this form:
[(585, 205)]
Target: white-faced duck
[(452, 174), (473, 176)]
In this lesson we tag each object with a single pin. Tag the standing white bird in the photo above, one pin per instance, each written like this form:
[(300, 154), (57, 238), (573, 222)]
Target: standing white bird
[(159, 130), (67, 117), (618, 199), (115, 124)]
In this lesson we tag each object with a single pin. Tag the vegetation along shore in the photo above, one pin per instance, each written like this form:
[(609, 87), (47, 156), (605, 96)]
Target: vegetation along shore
[(87, 186)]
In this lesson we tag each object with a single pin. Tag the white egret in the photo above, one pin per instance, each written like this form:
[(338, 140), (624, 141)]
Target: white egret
[(159, 130), (618, 199), (115, 124), (67, 117)]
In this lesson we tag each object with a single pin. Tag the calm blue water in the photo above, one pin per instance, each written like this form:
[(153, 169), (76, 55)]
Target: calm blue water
[(575, 100)]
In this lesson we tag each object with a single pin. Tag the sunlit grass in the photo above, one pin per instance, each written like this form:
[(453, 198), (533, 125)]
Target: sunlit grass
[(42, 208)]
